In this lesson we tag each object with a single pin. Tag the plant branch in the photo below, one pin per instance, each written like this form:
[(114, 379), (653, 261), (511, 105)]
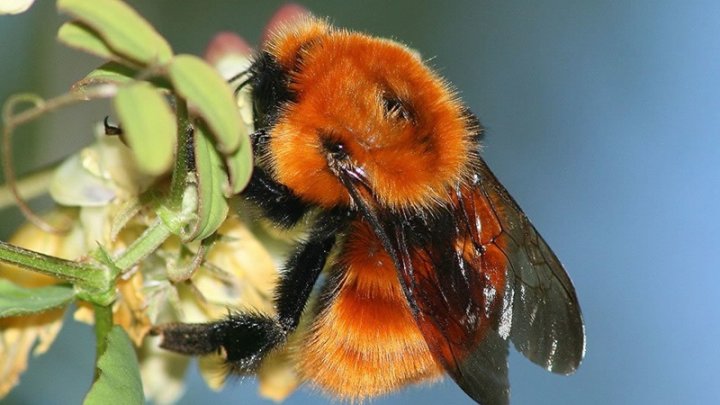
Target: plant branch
[(84, 276), (147, 243), (184, 154), (103, 325)]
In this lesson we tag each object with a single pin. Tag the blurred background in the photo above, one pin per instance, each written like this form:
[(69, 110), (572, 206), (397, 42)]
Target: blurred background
[(602, 121)]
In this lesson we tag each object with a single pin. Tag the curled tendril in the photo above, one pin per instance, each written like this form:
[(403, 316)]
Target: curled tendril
[(38, 106), (9, 118)]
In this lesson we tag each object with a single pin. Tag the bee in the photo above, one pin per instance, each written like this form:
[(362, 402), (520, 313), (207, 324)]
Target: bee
[(431, 267)]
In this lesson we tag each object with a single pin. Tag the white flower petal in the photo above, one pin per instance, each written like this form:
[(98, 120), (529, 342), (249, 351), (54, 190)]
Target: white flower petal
[(73, 185), (14, 6)]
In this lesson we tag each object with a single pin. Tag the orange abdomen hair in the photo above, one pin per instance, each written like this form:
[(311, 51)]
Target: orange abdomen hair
[(365, 342)]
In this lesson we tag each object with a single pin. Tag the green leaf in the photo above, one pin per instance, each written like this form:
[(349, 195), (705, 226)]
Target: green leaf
[(16, 300), (148, 125), (79, 36), (211, 182), (109, 73), (209, 96), (119, 376), (240, 166), (124, 31), (117, 74)]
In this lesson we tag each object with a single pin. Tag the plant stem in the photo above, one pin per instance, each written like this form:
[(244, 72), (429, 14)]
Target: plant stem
[(84, 276), (103, 324), (147, 243), (184, 154)]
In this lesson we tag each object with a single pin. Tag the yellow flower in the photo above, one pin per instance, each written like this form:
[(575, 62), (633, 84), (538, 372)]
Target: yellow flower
[(101, 200), (19, 334), (99, 191)]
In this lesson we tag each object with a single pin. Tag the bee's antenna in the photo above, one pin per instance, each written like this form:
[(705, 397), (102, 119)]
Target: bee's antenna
[(243, 83), (239, 75)]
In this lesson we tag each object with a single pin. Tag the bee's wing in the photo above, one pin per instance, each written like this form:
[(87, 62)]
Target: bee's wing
[(480, 274), (547, 325)]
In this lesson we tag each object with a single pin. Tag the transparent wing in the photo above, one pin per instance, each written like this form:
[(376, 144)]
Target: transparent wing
[(547, 325), (478, 275)]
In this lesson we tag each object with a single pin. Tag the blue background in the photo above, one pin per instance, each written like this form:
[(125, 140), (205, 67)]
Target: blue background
[(603, 122)]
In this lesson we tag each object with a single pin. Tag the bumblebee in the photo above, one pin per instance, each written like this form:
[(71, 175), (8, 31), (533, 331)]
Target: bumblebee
[(434, 267)]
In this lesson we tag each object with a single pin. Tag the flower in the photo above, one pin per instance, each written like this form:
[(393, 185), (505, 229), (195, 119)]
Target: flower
[(14, 6), (99, 191), (101, 201)]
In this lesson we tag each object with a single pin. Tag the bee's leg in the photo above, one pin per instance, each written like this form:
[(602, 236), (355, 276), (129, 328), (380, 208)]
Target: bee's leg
[(244, 338), (304, 266)]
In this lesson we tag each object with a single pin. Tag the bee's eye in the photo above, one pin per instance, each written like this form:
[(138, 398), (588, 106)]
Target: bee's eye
[(395, 108), (335, 148)]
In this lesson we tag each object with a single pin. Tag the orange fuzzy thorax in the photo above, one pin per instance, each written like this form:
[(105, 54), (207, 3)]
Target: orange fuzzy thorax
[(341, 79)]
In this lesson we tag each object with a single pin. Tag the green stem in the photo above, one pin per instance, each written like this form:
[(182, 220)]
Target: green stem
[(81, 275), (95, 283), (103, 325), (147, 243), (184, 154)]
